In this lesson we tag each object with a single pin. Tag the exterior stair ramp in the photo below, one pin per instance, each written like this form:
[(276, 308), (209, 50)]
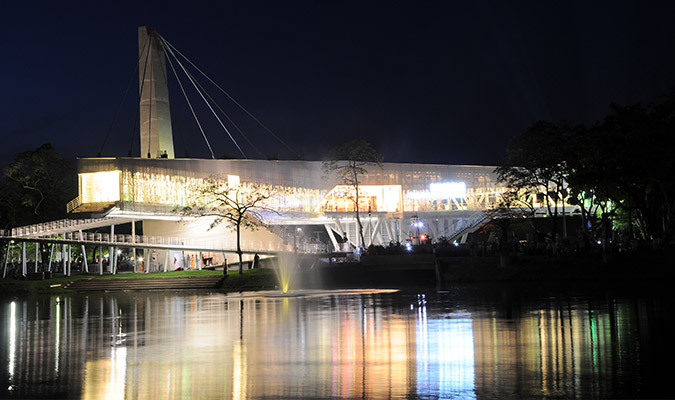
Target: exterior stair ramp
[(163, 283), (475, 225)]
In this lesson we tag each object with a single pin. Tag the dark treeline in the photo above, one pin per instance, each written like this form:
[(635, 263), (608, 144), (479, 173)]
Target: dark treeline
[(618, 173), (35, 187)]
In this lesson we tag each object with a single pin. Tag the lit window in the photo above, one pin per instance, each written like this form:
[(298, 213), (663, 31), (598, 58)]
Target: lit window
[(99, 187)]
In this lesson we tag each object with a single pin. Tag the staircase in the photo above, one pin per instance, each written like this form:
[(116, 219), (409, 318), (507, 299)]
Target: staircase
[(166, 283), (472, 227)]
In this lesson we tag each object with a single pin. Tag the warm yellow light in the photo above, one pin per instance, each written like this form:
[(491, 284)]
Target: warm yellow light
[(382, 198), (233, 181), (99, 187)]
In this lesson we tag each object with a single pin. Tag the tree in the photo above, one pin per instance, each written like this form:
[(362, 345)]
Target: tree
[(349, 161), (238, 205), (627, 162), (536, 161), (36, 186)]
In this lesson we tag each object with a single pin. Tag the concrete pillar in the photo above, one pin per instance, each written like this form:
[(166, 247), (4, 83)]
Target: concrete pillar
[(146, 260), (133, 249), (85, 264), (51, 255), (23, 259), (63, 259), (37, 248), (111, 250), (113, 261), (9, 248), (100, 260), (154, 110)]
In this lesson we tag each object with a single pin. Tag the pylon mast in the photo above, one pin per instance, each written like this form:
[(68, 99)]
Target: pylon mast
[(155, 113)]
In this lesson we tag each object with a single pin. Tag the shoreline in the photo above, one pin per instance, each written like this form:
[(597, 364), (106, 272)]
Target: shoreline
[(385, 271)]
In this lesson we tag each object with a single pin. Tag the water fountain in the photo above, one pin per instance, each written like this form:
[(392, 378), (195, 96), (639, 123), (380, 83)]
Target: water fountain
[(288, 266), (285, 266)]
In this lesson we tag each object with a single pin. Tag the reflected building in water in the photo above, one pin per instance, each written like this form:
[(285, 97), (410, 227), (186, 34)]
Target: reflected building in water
[(365, 345)]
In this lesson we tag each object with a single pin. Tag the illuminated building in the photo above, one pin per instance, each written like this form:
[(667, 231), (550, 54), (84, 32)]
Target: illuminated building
[(441, 200), (444, 198)]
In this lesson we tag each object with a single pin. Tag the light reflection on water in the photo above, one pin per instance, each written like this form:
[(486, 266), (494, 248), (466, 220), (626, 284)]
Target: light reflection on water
[(367, 344)]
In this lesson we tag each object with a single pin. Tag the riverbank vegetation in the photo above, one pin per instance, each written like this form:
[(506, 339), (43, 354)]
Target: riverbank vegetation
[(615, 175)]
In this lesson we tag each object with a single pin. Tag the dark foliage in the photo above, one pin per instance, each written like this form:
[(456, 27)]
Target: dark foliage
[(36, 186)]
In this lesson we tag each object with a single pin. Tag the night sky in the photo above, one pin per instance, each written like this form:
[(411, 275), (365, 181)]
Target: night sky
[(424, 81)]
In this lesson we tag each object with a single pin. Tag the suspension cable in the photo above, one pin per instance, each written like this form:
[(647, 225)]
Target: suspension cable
[(229, 119), (207, 103), (194, 115), (231, 98)]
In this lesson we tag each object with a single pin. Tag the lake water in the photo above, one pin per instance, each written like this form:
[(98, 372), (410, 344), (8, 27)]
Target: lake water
[(463, 342)]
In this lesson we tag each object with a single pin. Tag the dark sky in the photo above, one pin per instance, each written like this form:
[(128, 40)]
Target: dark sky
[(423, 81)]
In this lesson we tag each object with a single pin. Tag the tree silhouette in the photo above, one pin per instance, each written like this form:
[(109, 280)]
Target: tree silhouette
[(349, 161), (237, 205)]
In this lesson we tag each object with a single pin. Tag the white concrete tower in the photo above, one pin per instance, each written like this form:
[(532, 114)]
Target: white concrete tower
[(155, 114)]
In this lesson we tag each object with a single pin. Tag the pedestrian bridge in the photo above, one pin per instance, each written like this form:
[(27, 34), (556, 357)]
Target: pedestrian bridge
[(64, 234), (73, 232)]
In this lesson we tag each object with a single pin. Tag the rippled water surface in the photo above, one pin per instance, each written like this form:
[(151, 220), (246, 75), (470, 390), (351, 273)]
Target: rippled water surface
[(463, 342)]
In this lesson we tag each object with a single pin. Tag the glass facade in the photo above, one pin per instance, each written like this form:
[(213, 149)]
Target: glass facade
[(395, 188), (445, 199)]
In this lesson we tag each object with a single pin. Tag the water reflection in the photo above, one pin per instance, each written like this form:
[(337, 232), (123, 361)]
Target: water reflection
[(453, 344)]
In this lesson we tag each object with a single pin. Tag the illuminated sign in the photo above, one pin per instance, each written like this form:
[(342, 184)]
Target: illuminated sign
[(442, 190)]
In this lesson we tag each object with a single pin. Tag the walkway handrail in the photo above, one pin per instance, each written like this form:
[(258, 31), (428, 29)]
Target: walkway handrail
[(73, 204)]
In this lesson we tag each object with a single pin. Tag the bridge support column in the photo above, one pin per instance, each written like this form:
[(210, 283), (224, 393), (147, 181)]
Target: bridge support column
[(37, 246), (23, 259), (146, 260), (70, 259), (85, 264), (63, 259), (9, 248), (133, 241), (51, 255), (114, 260), (111, 250)]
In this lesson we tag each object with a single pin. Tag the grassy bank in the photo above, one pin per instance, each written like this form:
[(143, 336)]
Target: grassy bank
[(55, 285), (253, 279)]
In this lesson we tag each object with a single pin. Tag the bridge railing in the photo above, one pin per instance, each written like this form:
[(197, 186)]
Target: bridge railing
[(73, 204), (46, 227), (105, 239)]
